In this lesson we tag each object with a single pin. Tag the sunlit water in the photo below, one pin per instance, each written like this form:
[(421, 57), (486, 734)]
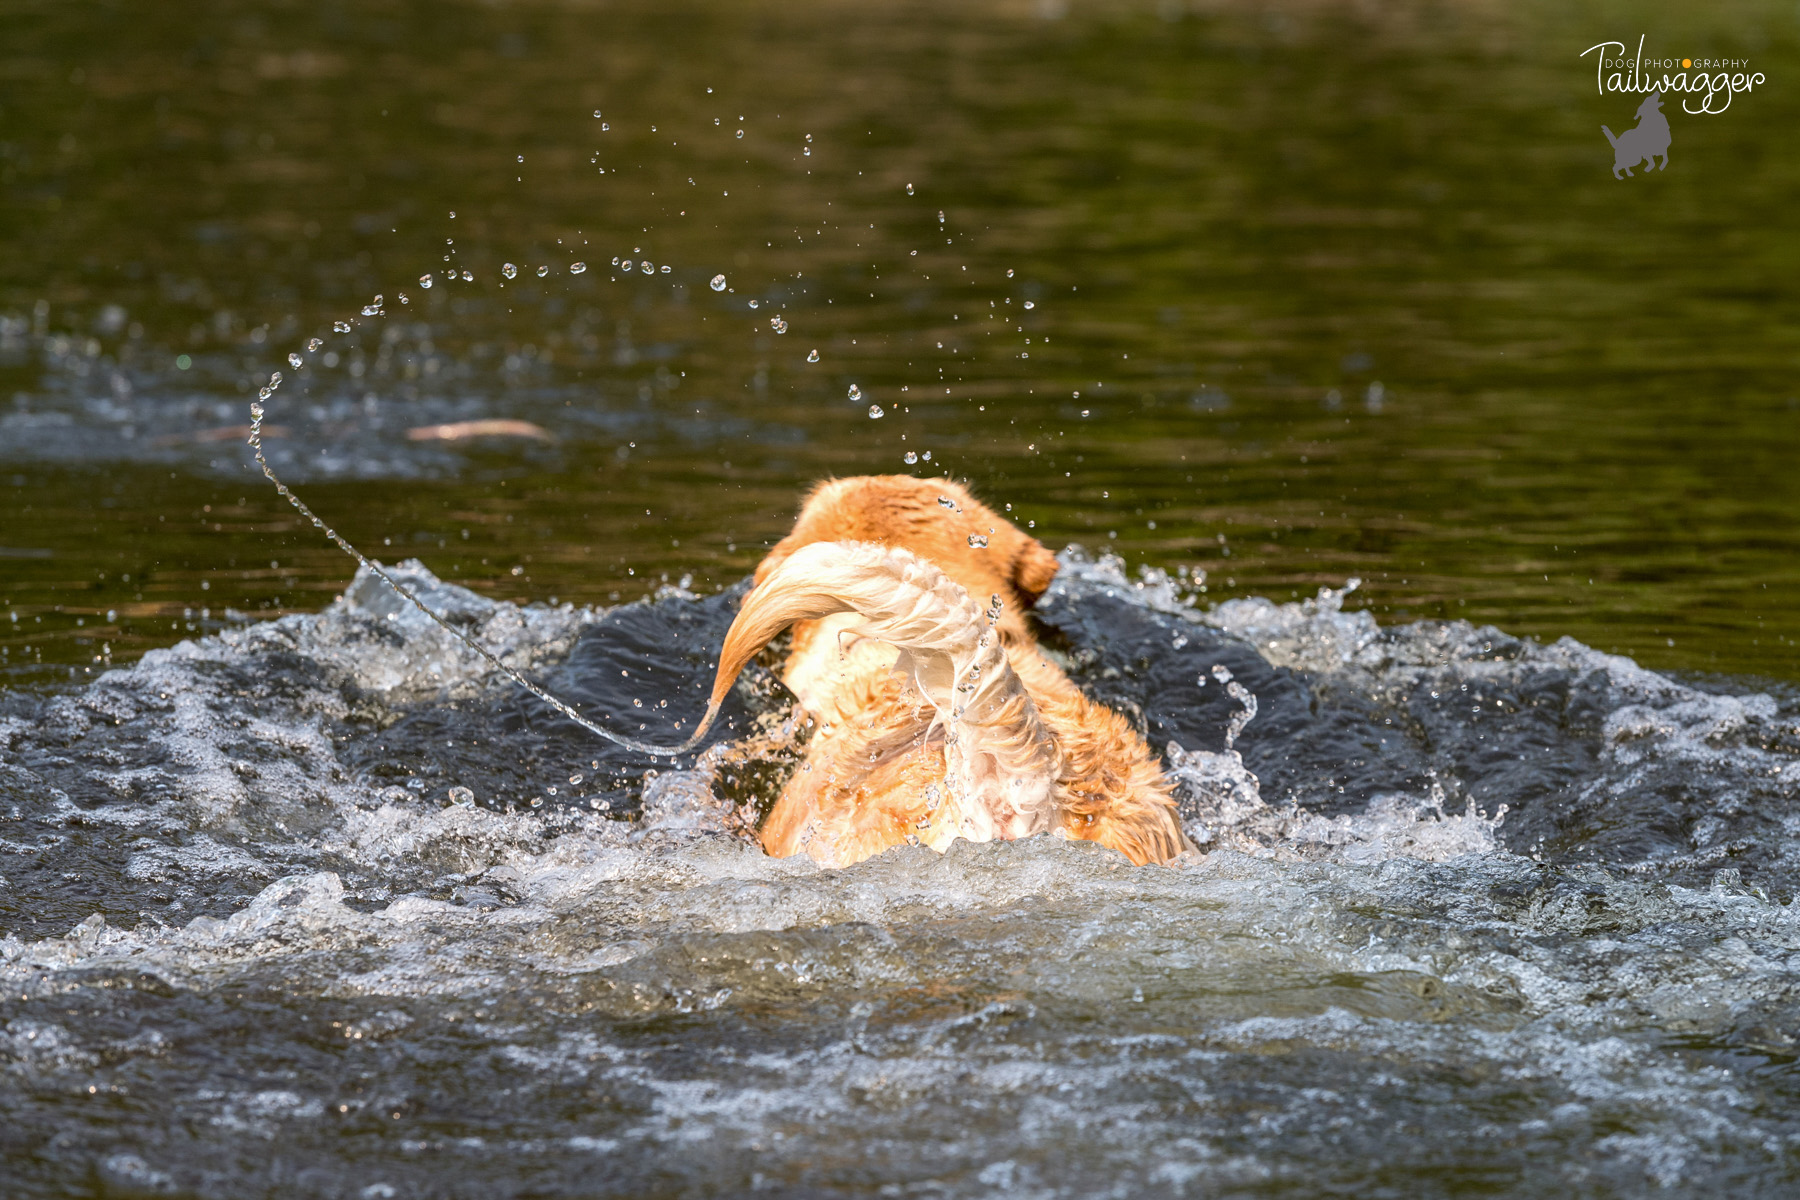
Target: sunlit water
[(319, 907)]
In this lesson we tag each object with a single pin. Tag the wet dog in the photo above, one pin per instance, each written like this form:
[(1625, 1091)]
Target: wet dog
[(1643, 143), (935, 714)]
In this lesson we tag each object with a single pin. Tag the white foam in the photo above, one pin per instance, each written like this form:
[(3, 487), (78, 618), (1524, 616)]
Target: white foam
[(1041, 985), (1313, 635), (1222, 808)]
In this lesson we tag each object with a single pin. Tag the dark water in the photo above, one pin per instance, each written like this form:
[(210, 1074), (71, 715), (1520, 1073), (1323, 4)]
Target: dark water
[(317, 906), (254, 945)]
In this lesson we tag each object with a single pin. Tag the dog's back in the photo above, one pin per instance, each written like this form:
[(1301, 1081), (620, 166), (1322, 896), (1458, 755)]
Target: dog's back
[(927, 726)]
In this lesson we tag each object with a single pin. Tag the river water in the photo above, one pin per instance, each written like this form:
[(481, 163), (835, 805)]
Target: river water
[(1476, 914), (1230, 304)]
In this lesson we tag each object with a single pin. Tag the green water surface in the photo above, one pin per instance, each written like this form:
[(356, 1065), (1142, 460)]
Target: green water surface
[(1316, 291)]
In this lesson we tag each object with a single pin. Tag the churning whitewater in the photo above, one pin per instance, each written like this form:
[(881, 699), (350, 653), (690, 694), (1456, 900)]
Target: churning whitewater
[(327, 907)]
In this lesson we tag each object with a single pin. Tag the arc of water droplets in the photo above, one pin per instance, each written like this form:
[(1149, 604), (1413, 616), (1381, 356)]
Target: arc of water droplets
[(300, 506), (256, 417)]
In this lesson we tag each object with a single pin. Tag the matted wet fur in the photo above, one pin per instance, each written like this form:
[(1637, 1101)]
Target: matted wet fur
[(936, 715)]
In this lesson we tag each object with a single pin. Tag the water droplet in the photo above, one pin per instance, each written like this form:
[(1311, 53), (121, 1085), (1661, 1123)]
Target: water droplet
[(1031, 304), (909, 190), (543, 271), (855, 392), (753, 304), (425, 281), (813, 357), (577, 268), (256, 411), (718, 283), (1009, 272), (911, 458), (604, 127), (626, 265), (647, 267), (740, 133), (468, 276), (940, 216), (274, 379), (265, 393), (1084, 412), (521, 158), (875, 413), (462, 795), (946, 502), (926, 456), (575, 778), (806, 150), (537, 802), (294, 360), (341, 326), (978, 541), (314, 343), (508, 270), (664, 268), (778, 324)]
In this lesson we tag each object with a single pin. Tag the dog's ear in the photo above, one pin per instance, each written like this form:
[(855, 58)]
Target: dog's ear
[(1033, 567)]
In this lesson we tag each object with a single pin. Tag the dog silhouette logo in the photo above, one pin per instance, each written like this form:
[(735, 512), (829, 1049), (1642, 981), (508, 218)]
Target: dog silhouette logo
[(1644, 144)]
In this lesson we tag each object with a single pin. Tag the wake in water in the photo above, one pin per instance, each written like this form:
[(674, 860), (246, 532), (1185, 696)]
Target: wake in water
[(337, 891)]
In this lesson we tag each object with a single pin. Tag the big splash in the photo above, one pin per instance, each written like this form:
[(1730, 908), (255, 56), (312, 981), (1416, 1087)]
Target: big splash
[(329, 906)]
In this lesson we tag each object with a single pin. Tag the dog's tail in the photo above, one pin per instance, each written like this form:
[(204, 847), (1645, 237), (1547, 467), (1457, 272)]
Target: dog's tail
[(1609, 135), (1002, 758)]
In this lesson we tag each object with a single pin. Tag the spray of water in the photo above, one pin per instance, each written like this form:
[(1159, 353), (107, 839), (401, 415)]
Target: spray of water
[(256, 418)]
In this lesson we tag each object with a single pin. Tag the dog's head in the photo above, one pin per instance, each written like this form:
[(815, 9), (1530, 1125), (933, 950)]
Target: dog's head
[(935, 519), (1651, 106)]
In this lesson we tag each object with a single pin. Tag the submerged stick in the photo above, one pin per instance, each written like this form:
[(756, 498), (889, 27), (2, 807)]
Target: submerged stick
[(712, 708)]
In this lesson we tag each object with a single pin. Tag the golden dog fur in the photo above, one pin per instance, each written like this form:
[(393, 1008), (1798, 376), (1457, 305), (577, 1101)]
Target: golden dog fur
[(936, 715)]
